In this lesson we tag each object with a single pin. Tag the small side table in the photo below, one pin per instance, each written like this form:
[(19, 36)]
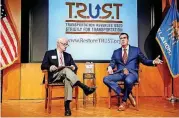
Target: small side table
[(93, 78)]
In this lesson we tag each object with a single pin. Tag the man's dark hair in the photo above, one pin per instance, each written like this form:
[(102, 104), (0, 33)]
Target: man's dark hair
[(124, 34)]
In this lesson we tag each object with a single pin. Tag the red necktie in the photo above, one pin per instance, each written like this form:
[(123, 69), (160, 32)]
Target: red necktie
[(124, 57)]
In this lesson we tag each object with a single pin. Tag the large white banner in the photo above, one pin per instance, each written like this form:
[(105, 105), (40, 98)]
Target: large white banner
[(92, 26)]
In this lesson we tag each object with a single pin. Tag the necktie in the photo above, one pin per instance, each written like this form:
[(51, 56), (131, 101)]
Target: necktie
[(61, 59), (124, 57)]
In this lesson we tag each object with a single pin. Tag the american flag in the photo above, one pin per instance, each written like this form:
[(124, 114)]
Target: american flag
[(8, 42)]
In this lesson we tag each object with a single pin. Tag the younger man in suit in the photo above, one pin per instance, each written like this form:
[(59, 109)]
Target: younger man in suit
[(126, 59), (58, 58)]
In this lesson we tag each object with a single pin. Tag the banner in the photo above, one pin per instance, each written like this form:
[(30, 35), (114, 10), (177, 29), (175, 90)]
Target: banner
[(92, 26)]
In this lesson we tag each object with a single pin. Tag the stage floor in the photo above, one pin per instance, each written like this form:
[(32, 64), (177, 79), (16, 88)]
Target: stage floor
[(148, 107)]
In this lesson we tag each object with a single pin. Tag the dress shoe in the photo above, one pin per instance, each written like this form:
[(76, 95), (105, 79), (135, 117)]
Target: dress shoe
[(123, 106), (132, 100), (89, 90), (68, 112)]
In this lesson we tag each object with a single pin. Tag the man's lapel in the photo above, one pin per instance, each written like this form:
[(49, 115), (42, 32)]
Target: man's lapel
[(56, 60), (65, 58), (120, 55), (129, 54)]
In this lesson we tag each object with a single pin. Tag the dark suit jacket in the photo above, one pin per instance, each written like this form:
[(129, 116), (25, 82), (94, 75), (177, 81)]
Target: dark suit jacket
[(134, 57), (48, 60)]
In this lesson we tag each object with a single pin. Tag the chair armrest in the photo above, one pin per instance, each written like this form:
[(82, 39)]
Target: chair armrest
[(46, 77)]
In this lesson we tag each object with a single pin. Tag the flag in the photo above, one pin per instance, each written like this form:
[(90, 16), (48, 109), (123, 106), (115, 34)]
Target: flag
[(168, 38), (8, 42)]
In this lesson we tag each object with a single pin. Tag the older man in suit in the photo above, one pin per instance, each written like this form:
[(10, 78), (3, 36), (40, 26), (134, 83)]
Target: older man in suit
[(62, 68), (126, 59)]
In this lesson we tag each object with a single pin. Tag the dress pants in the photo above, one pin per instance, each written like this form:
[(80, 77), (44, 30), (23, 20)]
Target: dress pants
[(69, 80), (129, 80)]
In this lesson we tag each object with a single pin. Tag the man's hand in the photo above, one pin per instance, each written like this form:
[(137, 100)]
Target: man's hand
[(72, 67), (53, 68), (157, 60), (110, 70), (125, 71)]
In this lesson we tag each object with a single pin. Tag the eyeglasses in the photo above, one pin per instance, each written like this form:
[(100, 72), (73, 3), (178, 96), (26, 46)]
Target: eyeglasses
[(64, 44)]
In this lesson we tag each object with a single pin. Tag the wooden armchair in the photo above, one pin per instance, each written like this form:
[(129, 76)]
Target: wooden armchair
[(48, 92), (121, 83)]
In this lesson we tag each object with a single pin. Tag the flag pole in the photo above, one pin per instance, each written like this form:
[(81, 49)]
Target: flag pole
[(173, 99)]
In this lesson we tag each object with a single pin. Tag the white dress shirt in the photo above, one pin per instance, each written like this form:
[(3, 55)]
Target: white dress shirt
[(127, 50), (59, 61)]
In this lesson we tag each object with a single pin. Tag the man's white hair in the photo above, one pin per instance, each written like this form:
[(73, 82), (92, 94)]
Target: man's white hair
[(61, 39)]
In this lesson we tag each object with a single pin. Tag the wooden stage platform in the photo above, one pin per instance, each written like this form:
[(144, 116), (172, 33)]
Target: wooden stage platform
[(148, 107)]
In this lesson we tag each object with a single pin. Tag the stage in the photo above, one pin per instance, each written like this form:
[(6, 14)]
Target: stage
[(148, 107)]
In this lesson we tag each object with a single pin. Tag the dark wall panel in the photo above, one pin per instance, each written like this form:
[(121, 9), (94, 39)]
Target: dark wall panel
[(144, 21), (34, 30), (39, 30)]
